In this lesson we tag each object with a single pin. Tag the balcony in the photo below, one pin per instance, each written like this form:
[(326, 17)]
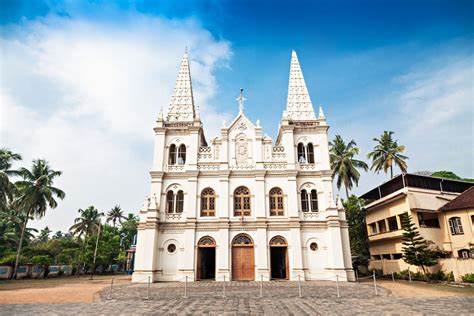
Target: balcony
[(386, 235)]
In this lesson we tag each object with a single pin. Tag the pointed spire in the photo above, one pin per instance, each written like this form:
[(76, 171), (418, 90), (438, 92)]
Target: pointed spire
[(321, 113), (298, 104), (181, 106)]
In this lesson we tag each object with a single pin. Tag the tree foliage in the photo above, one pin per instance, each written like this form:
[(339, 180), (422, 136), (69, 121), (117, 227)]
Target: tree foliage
[(387, 153), (355, 216)]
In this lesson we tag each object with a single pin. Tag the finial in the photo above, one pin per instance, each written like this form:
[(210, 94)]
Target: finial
[(258, 123), (160, 114), (197, 111), (186, 49), (339, 204), (241, 100), (224, 123), (321, 113)]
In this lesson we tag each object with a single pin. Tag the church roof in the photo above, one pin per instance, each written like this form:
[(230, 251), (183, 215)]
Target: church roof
[(181, 107), (298, 104)]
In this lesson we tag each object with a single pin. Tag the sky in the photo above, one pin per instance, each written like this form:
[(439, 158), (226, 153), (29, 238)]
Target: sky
[(82, 82)]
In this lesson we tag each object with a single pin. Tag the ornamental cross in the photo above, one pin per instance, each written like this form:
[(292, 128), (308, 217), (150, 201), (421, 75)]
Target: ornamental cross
[(241, 100)]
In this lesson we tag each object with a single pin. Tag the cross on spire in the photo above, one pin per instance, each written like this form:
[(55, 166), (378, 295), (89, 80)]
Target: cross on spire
[(241, 100)]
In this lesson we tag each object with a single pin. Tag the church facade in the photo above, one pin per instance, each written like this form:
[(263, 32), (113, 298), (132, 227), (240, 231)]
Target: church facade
[(242, 206)]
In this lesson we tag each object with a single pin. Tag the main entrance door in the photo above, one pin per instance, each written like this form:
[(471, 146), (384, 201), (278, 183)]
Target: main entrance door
[(206, 259), (278, 258), (243, 267)]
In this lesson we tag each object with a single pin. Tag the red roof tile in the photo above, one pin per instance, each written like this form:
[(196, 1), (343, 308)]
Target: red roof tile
[(465, 200)]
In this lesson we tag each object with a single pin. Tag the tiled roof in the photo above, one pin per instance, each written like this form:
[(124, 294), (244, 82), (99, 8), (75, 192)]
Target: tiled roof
[(463, 201)]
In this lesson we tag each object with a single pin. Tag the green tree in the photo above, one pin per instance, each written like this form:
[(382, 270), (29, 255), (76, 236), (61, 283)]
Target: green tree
[(415, 249), (7, 188), (44, 234), (355, 215), (37, 193), (115, 215), (386, 153), (343, 163)]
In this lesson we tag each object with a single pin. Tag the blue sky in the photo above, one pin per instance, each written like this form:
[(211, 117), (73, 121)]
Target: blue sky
[(100, 71)]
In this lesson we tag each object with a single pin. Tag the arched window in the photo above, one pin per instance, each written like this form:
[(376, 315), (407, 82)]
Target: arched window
[(182, 154), (304, 201), (276, 202), (241, 202), (208, 202), (310, 148), (179, 201), (455, 226), (169, 202), (301, 153), (172, 157), (314, 201)]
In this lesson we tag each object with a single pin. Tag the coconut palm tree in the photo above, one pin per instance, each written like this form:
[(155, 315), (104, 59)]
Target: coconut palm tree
[(7, 188), (386, 153), (36, 194), (343, 163), (115, 214)]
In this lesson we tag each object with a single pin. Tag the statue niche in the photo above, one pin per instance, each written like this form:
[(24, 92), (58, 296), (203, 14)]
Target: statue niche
[(241, 149)]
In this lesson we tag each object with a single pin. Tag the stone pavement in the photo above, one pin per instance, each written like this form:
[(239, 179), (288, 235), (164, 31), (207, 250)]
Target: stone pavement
[(279, 298)]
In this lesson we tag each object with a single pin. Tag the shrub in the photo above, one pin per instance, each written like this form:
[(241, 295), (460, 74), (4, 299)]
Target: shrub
[(450, 277), (41, 260), (468, 278), (11, 258)]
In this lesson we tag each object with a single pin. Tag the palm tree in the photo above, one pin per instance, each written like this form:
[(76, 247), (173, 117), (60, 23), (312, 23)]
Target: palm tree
[(343, 163), (37, 193), (85, 225), (7, 188), (386, 153), (115, 214)]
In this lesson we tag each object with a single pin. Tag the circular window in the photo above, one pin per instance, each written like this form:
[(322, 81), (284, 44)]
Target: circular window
[(313, 246), (171, 248)]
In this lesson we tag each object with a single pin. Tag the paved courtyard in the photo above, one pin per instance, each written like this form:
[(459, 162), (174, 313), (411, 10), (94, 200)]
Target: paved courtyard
[(279, 298)]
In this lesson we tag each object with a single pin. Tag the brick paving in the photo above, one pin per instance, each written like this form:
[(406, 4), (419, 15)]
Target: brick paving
[(279, 298)]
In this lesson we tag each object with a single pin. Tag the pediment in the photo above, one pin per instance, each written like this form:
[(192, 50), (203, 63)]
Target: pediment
[(241, 125)]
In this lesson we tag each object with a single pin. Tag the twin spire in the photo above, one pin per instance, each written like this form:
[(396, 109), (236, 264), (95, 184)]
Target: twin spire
[(298, 105)]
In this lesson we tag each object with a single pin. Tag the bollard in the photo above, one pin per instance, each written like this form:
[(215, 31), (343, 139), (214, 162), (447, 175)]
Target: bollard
[(299, 285), (375, 284), (337, 286), (393, 277), (356, 275), (148, 289), (223, 288), (261, 285), (409, 276), (111, 288), (185, 287)]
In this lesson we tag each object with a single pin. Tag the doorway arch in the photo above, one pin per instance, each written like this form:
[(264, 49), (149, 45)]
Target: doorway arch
[(279, 258), (206, 259), (243, 267)]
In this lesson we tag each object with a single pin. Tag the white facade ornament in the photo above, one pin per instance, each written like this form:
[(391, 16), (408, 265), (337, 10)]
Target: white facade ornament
[(321, 113), (298, 104), (224, 123), (258, 123), (241, 100), (339, 204), (181, 107)]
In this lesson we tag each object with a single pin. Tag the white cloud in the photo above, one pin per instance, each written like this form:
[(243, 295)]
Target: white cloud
[(84, 94)]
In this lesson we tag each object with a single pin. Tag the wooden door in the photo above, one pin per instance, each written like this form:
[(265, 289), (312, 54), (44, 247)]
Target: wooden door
[(243, 264)]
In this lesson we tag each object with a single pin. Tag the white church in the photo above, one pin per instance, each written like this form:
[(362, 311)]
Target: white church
[(242, 206)]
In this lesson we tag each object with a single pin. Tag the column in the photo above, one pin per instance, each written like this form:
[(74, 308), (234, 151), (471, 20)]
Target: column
[(262, 251), (259, 194), (296, 254)]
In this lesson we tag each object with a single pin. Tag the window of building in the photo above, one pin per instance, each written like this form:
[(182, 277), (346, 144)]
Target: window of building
[(172, 157), (314, 200), (276, 202), (208, 202), (382, 226), (304, 201), (313, 246), (386, 256), (182, 154), (310, 148), (472, 219), (179, 201), (429, 220), (464, 253), (171, 248), (455, 226), (392, 223), (376, 257), (397, 256), (170, 202), (301, 154), (373, 229), (241, 202)]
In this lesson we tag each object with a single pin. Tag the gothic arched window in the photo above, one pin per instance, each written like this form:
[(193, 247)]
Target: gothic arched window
[(172, 157), (304, 201), (276, 202), (301, 153), (241, 202), (170, 202), (179, 201), (455, 226), (182, 154), (314, 200), (310, 148), (208, 202)]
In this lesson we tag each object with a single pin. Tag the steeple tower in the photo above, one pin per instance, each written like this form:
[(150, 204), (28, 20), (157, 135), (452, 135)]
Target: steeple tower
[(298, 104), (181, 108)]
